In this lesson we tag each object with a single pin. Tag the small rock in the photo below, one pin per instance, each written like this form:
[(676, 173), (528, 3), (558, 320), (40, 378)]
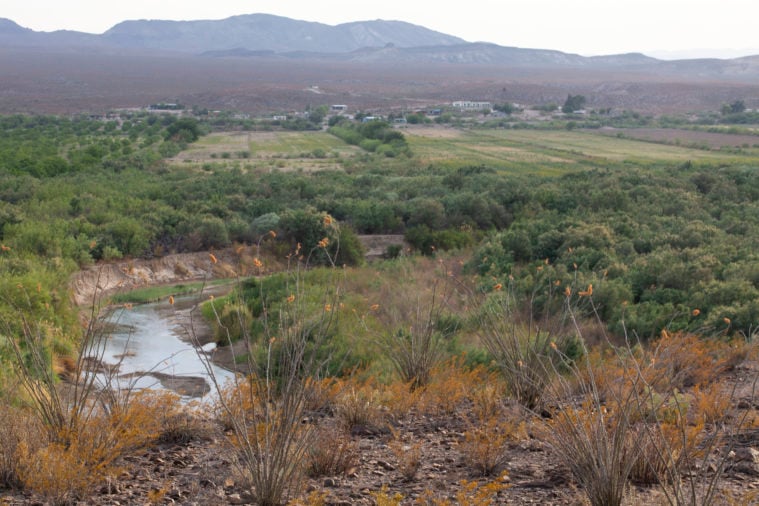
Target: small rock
[(330, 482), (235, 499), (747, 461), (386, 465)]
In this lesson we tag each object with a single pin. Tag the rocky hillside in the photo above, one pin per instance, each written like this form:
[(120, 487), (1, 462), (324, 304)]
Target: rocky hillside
[(257, 32)]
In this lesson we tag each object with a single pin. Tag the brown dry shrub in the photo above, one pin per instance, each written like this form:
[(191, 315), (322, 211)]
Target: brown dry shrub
[(487, 398), (237, 400), (450, 385), (710, 404), (687, 360), (79, 459), (471, 493), (486, 444), (399, 399), (331, 453), (321, 394), (358, 408), (18, 428), (665, 450)]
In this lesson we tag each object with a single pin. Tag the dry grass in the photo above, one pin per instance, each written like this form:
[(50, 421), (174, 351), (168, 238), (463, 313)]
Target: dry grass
[(18, 429), (332, 453), (486, 443)]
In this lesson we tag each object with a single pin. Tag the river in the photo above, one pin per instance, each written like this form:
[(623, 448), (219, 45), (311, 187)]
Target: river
[(147, 347)]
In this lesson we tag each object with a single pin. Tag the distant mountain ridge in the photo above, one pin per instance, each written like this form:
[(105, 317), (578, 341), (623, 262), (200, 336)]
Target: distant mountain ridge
[(253, 32), (378, 41)]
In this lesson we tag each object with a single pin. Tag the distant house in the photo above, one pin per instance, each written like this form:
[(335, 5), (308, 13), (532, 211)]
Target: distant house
[(470, 105), (339, 107), (400, 121), (367, 119)]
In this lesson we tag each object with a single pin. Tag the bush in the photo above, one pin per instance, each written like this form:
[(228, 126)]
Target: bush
[(18, 430), (331, 454)]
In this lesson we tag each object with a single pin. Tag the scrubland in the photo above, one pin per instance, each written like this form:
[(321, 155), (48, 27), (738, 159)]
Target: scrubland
[(570, 319)]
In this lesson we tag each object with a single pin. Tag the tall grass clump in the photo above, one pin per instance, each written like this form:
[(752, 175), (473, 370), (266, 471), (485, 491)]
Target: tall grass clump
[(623, 415), (522, 339), (266, 408), (414, 318)]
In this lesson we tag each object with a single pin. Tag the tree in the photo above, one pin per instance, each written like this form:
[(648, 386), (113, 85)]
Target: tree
[(735, 107), (505, 108), (573, 103)]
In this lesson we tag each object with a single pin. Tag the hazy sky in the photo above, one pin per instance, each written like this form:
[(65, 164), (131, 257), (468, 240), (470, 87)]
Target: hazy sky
[(686, 28)]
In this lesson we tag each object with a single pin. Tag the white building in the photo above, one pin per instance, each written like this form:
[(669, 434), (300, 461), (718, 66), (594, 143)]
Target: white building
[(470, 105)]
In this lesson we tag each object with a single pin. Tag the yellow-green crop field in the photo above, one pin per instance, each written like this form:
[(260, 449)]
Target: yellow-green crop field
[(541, 152)]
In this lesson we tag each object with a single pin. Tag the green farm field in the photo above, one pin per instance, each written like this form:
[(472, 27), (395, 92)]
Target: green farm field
[(555, 151), (292, 150), (539, 152)]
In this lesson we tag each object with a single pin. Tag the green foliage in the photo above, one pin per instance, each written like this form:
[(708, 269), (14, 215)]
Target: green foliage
[(573, 103), (372, 136)]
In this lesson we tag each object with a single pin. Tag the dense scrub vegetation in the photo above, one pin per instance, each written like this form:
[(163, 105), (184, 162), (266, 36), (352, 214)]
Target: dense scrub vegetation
[(658, 242), (546, 261)]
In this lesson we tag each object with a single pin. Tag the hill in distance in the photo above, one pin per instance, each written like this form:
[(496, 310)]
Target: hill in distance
[(261, 62)]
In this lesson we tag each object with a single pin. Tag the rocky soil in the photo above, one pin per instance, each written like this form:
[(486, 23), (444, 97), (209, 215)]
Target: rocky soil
[(196, 465)]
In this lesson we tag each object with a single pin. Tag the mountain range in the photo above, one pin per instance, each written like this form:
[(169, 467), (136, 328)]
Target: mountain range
[(265, 35), (253, 32), (259, 63)]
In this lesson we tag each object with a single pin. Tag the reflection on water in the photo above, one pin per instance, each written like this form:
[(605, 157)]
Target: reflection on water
[(150, 354)]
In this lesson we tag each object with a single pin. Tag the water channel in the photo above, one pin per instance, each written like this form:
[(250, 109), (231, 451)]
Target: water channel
[(148, 347)]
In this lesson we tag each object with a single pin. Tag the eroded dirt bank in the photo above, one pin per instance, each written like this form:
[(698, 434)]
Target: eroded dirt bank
[(98, 281)]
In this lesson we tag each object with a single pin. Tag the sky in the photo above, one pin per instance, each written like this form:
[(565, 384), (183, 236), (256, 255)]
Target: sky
[(660, 28)]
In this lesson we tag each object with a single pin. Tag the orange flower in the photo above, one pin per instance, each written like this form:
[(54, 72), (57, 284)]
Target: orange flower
[(554, 347), (324, 242), (291, 298), (257, 263), (213, 258), (374, 307), (171, 300), (327, 307), (567, 291), (574, 265), (726, 320), (557, 282), (272, 233), (586, 293), (696, 312), (327, 220), (4, 247), (497, 287)]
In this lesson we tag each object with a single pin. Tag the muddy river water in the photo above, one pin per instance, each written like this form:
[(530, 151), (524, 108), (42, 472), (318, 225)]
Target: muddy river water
[(149, 347)]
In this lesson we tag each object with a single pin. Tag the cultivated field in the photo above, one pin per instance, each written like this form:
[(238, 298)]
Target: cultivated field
[(513, 151), (284, 150)]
